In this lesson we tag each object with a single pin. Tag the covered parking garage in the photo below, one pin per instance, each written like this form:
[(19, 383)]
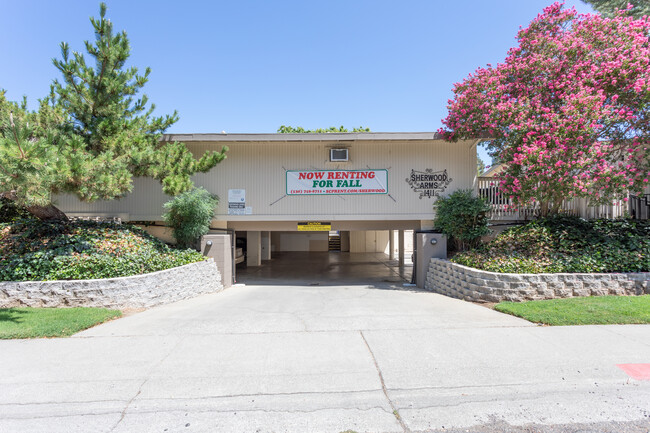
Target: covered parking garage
[(297, 196), (327, 269), (378, 257)]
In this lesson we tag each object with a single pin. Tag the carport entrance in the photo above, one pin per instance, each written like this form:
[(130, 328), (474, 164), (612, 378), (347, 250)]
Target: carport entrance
[(327, 253), (326, 269)]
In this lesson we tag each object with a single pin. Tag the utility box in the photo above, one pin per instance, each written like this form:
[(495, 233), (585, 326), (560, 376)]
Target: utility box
[(427, 245), (219, 247)]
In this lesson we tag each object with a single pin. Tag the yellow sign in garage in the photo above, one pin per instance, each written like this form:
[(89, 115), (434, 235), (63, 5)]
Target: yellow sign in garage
[(314, 226)]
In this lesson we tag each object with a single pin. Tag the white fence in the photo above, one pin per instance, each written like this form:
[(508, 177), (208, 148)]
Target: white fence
[(488, 188)]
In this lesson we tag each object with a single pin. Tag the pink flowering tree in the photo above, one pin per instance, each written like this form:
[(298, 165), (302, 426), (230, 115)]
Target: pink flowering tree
[(568, 112)]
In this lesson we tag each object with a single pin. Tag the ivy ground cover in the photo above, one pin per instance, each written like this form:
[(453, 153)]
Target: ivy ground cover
[(565, 244), (34, 250)]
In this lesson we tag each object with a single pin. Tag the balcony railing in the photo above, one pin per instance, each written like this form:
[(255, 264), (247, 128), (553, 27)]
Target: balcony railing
[(488, 188), (640, 206)]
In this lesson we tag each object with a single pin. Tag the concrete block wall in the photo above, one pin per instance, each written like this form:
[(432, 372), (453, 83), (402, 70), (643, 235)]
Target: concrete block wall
[(138, 291), (471, 284)]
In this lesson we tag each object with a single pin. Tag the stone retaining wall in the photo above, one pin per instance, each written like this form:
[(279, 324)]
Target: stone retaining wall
[(138, 291), (471, 284)]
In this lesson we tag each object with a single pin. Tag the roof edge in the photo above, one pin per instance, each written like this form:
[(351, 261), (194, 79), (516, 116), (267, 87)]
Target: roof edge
[(330, 136)]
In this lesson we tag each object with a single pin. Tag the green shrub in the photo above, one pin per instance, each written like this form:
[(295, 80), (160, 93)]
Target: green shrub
[(39, 250), (566, 244), (462, 217), (189, 215), (10, 212)]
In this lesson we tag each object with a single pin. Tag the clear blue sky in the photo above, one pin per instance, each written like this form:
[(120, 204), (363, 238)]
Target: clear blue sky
[(251, 66)]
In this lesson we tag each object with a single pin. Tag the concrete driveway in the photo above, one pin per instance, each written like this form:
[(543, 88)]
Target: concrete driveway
[(325, 359)]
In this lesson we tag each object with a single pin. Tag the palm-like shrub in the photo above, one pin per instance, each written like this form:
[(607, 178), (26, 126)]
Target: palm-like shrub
[(189, 215)]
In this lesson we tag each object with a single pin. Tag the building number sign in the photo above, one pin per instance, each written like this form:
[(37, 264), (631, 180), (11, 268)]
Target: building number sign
[(429, 183)]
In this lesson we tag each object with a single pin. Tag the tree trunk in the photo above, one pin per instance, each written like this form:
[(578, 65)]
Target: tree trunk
[(556, 207), (47, 213), (543, 208)]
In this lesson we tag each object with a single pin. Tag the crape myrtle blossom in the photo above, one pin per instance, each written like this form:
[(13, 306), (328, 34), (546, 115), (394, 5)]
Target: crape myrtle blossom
[(567, 112)]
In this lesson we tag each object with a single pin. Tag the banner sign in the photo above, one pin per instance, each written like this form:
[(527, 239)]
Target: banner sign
[(313, 226), (429, 183), (337, 182)]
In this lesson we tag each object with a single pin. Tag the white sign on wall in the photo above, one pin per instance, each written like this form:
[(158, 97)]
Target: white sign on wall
[(337, 182), (237, 202)]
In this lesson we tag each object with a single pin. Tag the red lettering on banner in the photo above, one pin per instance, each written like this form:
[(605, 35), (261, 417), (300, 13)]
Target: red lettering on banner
[(323, 182)]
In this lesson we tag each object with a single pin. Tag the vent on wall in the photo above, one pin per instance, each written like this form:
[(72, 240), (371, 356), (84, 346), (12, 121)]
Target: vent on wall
[(338, 155)]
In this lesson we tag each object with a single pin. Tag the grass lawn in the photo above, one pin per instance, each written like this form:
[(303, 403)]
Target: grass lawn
[(595, 310), (50, 322)]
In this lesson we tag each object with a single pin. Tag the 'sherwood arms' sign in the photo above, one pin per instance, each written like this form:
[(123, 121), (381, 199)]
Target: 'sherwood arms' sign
[(429, 183)]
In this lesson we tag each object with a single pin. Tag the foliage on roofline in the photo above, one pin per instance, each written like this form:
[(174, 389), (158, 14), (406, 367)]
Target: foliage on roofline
[(300, 130)]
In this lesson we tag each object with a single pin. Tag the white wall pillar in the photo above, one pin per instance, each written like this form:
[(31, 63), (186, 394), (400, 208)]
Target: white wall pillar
[(400, 245), (254, 248), (391, 244), (345, 241), (266, 245), (426, 224)]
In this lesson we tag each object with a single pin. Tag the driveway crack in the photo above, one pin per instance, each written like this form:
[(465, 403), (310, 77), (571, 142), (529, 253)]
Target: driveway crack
[(146, 379), (383, 387)]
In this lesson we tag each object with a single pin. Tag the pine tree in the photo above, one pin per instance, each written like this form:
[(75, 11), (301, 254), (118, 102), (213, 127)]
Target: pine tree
[(609, 8), (30, 163), (93, 133), (480, 166)]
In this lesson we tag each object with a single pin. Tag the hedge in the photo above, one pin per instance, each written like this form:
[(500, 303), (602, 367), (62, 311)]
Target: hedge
[(565, 244)]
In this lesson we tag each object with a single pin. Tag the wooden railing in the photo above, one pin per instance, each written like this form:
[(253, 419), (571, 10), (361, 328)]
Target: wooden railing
[(488, 188), (640, 206)]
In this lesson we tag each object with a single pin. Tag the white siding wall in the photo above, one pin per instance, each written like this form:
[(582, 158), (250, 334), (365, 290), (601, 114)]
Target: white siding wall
[(361, 241), (357, 241), (369, 241), (259, 168), (299, 241)]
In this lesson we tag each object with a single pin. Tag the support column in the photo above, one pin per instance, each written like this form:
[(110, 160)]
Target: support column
[(426, 224), (266, 245), (400, 245), (220, 249), (254, 248), (391, 244)]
